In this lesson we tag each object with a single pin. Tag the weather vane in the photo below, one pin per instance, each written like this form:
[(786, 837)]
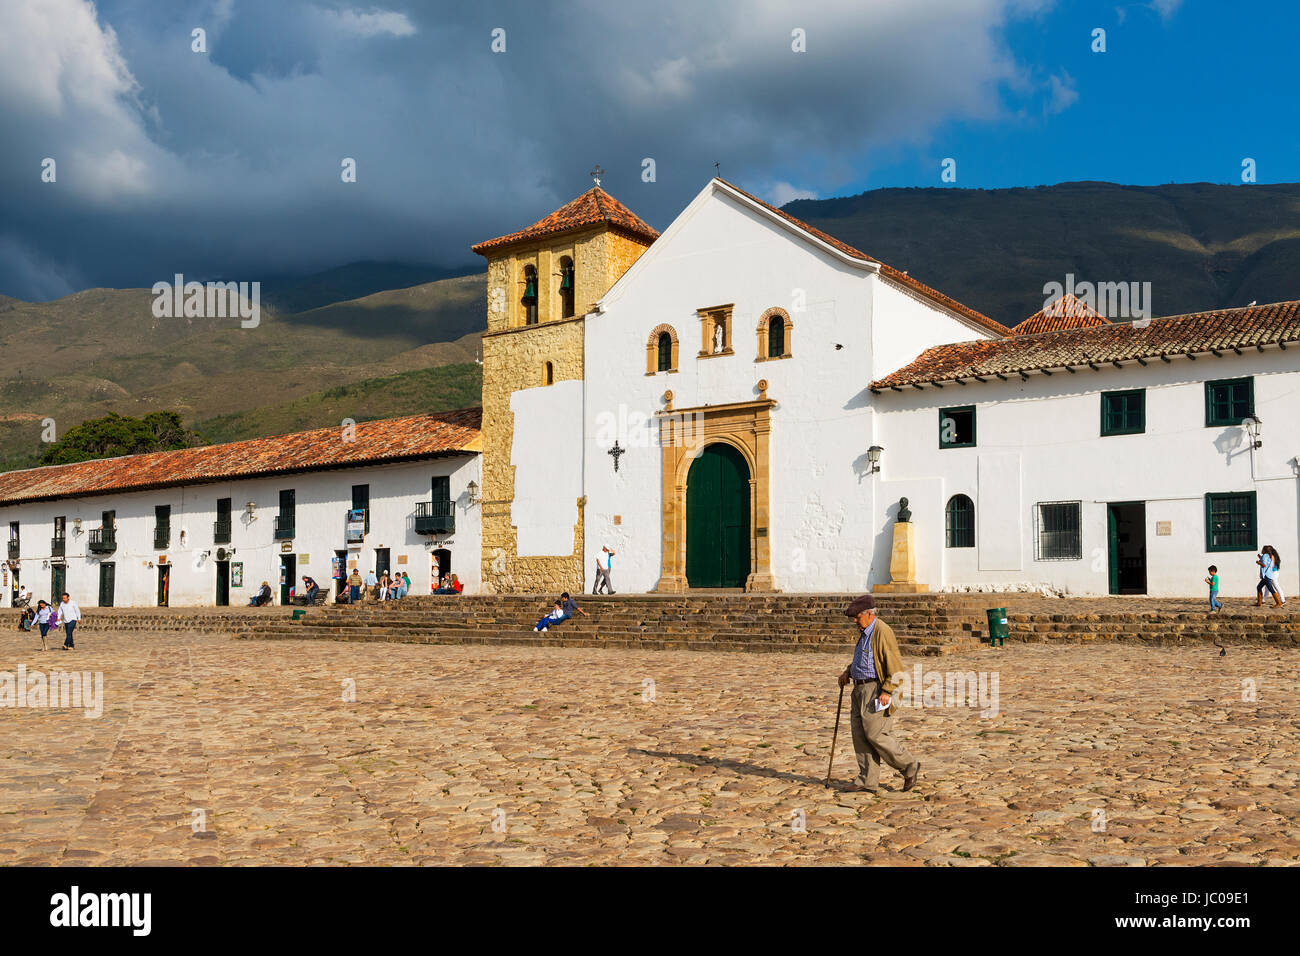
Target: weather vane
[(596, 173), (717, 170)]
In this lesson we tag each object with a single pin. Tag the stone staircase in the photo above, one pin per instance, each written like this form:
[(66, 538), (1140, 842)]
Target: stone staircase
[(1167, 627), (928, 625)]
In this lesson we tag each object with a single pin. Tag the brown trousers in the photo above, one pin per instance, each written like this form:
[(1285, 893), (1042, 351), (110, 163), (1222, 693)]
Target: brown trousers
[(872, 740)]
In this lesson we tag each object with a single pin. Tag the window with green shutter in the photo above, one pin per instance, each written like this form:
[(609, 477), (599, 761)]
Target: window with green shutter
[(1229, 401), (1230, 523), (957, 427), (959, 522), (1124, 413)]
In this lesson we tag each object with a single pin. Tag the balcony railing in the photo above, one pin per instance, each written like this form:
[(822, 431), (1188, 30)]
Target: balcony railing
[(102, 541), (283, 526), (13, 548), (162, 537), (221, 531), (435, 517), (58, 547)]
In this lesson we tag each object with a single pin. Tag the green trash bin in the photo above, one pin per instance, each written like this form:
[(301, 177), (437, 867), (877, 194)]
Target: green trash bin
[(299, 612), (998, 629)]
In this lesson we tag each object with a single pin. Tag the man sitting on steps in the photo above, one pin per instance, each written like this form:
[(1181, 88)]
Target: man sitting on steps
[(565, 608)]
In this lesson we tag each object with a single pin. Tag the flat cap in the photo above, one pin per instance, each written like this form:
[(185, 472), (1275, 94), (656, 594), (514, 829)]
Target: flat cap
[(864, 603)]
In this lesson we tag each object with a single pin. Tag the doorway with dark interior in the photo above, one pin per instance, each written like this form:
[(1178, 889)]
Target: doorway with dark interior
[(288, 568), (223, 584), (164, 584), (1126, 538)]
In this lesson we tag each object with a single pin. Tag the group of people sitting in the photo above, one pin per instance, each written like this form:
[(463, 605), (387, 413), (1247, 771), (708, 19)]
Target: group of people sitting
[(385, 587), (563, 609), (449, 584)]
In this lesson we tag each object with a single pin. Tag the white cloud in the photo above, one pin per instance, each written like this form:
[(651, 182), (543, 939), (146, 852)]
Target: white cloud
[(780, 193), (1166, 8), (1062, 93), (371, 24)]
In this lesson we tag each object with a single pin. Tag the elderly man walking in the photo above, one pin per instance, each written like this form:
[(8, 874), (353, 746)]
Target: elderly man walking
[(875, 661)]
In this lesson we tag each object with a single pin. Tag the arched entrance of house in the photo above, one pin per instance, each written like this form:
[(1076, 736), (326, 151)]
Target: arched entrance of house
[(717, 519)]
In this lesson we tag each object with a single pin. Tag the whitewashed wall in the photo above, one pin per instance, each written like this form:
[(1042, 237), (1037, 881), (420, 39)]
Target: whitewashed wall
[(322, 499), (1043, 436), (719, 251)]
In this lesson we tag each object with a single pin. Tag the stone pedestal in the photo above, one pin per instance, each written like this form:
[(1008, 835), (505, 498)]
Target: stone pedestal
[(902, 564)]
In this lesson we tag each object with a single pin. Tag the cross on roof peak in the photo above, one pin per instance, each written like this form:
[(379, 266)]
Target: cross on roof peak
[(596, 173)]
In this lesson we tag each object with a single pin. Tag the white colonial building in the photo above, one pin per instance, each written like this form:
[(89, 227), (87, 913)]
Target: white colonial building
[(206, 526), (740, 402), (755, 398)]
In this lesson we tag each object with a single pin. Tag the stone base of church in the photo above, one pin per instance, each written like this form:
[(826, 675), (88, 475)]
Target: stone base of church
[(905, 587)]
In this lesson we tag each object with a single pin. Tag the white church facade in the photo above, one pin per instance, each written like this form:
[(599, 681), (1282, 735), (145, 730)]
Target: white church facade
[(740, 402)]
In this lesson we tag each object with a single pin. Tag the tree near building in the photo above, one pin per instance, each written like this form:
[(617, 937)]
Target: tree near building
[(115, 435)]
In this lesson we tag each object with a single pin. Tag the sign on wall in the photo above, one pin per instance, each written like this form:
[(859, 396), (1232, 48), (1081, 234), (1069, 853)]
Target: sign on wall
[(1164, 528), (355, 531), (237, 574)]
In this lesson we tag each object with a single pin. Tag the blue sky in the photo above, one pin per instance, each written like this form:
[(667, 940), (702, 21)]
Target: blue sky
[(1182, 96), (226, 162)]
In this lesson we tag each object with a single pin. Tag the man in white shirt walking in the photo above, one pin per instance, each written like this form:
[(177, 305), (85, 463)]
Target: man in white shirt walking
[(602, 571), (69, 615)]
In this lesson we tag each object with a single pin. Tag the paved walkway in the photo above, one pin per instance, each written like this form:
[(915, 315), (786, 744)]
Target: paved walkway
[(562, 750)]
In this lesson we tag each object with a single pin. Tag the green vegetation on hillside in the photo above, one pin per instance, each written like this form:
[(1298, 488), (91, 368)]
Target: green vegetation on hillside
[(407, 393), (115, 435)]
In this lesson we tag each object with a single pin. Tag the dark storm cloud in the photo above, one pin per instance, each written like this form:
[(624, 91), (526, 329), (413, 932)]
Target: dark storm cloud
[(228, 162)]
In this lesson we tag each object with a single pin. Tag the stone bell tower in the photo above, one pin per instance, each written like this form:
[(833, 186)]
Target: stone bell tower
[(541, 282)]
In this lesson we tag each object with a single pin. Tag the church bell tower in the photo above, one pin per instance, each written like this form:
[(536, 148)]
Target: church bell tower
[(541, 282)]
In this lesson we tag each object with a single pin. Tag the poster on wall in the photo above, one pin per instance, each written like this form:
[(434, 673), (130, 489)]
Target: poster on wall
[(433, 572), (336, 568), (356, 527), (237, 574)]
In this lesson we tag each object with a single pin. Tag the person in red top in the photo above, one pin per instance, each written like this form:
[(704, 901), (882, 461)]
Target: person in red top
[(451, 587)]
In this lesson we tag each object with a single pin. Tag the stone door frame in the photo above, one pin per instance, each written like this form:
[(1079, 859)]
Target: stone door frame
[(683, 434)]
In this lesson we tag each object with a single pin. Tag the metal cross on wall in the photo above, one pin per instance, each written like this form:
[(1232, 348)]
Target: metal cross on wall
[(617, 452)]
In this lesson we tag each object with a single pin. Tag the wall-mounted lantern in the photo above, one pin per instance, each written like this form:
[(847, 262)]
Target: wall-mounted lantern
[(1255, 428), (472, 490), (873, 458)]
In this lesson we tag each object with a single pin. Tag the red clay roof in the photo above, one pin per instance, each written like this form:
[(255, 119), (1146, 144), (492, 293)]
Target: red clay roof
[(592, 208), (393, 439), (886, 270), (1222, 330), (1067, 312)]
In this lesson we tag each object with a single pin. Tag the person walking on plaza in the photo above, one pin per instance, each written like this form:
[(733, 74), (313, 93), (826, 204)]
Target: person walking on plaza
[(44, 614), (875, 660), (602, 571), (69, 615), (1213, 582), (1268, 567)]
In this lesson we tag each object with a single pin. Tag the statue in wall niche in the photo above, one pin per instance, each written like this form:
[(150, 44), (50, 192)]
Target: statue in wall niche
[(717, 337), (904, 515)]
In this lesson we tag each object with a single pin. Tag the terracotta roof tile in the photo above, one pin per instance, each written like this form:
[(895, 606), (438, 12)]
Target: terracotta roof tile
[(393, 439), (886, 270), (1067, 312), (1225, 330), (592, 208)]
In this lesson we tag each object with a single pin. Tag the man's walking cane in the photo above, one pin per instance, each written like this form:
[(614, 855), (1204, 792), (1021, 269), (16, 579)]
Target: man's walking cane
[(838, 708)]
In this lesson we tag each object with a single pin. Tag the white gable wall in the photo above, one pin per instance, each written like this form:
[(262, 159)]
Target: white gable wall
[(822, 536)]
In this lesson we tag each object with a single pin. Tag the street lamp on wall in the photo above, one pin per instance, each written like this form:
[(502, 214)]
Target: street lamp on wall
[(471, 489), (1254, 428), (873, 458)]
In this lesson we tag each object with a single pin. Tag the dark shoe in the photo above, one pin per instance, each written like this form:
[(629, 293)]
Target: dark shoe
[(858, 788), (909, 779)]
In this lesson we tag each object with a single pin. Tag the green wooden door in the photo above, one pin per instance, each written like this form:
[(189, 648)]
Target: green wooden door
[(58, 581), (717, 519), (107, 573)]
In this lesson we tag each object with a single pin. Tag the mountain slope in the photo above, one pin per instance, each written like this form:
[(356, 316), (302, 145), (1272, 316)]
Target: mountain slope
[(1200, 245)]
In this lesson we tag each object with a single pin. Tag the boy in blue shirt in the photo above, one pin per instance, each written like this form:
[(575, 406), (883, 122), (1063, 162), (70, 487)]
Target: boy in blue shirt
[(1213, 582)]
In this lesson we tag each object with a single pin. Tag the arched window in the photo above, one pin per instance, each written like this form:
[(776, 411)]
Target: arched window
[(566, 288), (550, 374), (529, 300), (775, 337), (661, 350), (774, 334), (959, 522)]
